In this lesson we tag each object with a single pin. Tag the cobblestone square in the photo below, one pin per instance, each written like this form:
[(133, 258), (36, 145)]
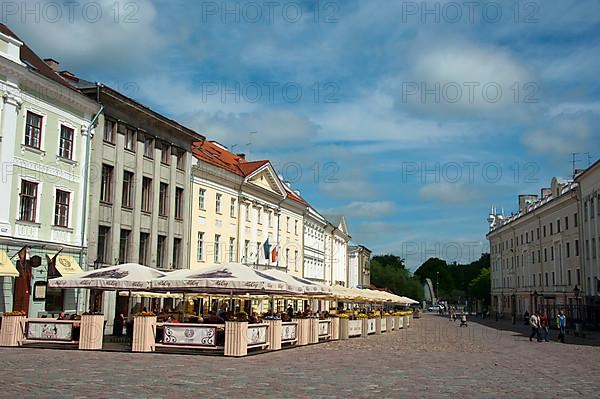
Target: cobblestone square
[(433, 358)]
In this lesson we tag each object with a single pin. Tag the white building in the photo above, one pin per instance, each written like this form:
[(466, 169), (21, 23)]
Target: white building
[(336, 250), (314, 245)]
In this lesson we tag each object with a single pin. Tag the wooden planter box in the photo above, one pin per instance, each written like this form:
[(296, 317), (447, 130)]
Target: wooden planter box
[(378, 326), (335, 328), (313, 331), (11, 332), (144, 333), (399, 322), (274, 334), (344, 330), (391, 323), (236, 338), (92, 332), (303, 331), (406, 321)]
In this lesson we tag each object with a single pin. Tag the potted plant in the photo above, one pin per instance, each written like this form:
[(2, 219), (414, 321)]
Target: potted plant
[(11, 332)]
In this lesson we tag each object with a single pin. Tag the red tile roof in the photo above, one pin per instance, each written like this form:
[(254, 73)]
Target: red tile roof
[(214, 154), (35, 62)]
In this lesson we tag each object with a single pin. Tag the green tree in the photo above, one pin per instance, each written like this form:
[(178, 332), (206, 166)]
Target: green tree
[(388, 271), (480, 288)]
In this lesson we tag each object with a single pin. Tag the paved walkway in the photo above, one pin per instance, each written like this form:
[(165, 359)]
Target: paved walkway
[(434, 359)]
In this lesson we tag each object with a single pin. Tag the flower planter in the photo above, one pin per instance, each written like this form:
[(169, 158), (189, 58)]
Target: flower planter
[(144, 333), (313, 331), (92, 332), (365, 328), (378, 326), (391, 323), (406, 321), (236, 338), (344, 328), (303, 331), (399, 322), (274, 334), (335, 328), (11, 332)]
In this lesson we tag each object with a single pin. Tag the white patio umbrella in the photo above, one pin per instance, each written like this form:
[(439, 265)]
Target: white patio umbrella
[(309, 288), (128, 276), (228, 278)]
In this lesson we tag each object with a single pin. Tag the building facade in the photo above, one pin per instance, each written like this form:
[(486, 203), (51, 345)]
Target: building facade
[(243, 212), (314, 245), (336, 250), (589, 204), (359, 266), (44, 138), (535, 254)]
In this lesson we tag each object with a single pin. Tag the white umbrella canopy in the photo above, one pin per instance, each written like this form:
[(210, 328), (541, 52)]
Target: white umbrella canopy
[(128, 276), (407, 301), (224, 278), (308, 287)]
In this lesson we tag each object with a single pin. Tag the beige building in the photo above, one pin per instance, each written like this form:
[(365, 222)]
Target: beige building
[(535, 253), (589, 191), (243, 212)]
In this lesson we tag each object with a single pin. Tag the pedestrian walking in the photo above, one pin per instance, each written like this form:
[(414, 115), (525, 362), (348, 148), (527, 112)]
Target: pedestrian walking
[(544, 326), (561, 323), (534, 322)]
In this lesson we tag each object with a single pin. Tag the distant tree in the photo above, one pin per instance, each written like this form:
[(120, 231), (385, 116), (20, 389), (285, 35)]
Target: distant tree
[(388, 271), (480, 288)]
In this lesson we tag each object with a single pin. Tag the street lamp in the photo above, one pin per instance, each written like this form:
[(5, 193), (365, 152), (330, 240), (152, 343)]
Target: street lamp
[(437, 285)]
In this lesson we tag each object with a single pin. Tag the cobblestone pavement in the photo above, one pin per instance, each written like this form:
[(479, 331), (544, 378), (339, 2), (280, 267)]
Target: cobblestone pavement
[(433, 358)]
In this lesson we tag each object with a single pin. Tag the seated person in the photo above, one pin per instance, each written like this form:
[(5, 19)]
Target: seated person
[(253, 318), (212, 318), (61, 316), (170, 319)]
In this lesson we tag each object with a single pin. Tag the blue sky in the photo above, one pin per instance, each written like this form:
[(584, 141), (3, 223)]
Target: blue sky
[(403, 88)]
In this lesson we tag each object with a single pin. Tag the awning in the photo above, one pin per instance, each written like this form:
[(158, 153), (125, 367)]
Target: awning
[(67, 265), (7, 269)]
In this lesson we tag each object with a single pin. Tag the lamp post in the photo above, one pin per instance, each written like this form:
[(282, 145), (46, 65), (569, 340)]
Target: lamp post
[(437, 285), (576, 291)]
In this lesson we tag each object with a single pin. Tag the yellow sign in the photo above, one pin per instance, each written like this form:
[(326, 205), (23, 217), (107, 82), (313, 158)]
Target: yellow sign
[(7, 269), (67, 265)]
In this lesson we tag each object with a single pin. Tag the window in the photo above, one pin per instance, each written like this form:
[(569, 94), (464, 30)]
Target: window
[(218, 203), (551, 228), (553, 278), (270, 219), (287, 259), (593, 248), (165, 153), (287, 224), (161, 251), (61, 208), (106, 184), (200, 247), (65, 148), (246, 249), (103, 242), (578, 274), (176, 253), (296, 261), (258, 216), (544, 230), (568, 248), (217, 245), (527, 237), (552, 253), (127, 201), (28, 201), (592, 212), (231, 249), (558, 226), (143, 250), (179, 203), (587, 249), (232, 208), (146, 194), (576, 247), (148, 147), (33, 130), (130, 139), (566, 223), (180, 154), (109, 132), (296, 227), (545, 254), (247, 212), (538, 233), (201, 196), (124, 245), (163, 200), (575, 220), (585, 211), (546, 279)]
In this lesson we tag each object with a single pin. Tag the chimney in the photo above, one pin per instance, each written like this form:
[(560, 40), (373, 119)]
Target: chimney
[(52, 63), (242, 156)]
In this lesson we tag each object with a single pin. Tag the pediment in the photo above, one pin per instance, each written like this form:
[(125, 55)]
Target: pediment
[(267, 179)]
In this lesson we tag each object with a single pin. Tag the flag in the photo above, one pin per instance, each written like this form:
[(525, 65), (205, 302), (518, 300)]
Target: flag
[(25, 272), (52, 271), (267, 248), (274, 254)]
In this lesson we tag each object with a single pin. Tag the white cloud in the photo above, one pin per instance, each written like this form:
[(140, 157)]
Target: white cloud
[(564, 134), (364, 209)]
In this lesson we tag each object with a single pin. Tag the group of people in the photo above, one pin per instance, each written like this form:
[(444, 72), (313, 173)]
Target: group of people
[(540, 326)]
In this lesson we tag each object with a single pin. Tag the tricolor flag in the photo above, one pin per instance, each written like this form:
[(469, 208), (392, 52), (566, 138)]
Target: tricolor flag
[(274, 254)]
